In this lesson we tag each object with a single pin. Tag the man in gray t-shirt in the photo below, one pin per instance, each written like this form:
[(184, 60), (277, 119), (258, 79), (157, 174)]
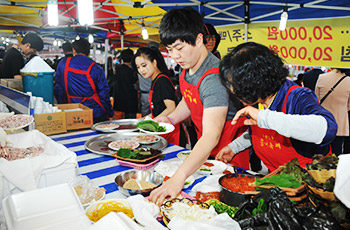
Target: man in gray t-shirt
[(204, 99)]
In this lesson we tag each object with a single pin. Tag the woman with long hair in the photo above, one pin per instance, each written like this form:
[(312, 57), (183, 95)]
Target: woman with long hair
[(149, 62)]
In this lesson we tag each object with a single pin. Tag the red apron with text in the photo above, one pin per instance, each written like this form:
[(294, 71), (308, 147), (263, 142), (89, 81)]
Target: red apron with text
[(95, 96), (229, 132), (174, 136), (273, 148)]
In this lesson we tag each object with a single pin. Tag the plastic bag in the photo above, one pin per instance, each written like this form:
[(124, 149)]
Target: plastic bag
[(282, 214), (86, 190)]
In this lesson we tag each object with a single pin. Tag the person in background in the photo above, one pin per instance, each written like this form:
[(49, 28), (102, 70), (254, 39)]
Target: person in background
[(110, 69), (124, 86), (67, 51), (14, 59), (85, 80), (299, 80), (310, 78), (204, 98), (337, 102), (213, 39), (145, 87), (286, 120), (150, 63)]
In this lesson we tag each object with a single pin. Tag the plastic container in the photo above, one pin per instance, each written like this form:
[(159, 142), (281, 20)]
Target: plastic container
[(137, 166), (40, 84), (55, 207)]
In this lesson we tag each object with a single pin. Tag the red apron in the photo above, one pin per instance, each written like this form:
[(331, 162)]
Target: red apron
[(229, 132), (173, 137), (273, 148), (95, 96)]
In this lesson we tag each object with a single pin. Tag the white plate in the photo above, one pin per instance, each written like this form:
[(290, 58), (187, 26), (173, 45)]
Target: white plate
[(169, 128), (139, 139), (93, 206), (24, 119), (218, 168), (106, 127), (183, 154), (133, 144), (189, 181)]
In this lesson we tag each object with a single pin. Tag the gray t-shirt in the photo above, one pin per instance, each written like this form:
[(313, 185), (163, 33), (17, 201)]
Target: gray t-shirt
[(211, 90)]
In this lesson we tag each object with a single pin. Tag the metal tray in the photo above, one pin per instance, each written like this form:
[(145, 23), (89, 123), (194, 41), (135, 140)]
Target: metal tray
[(100, 143), (126, 125)]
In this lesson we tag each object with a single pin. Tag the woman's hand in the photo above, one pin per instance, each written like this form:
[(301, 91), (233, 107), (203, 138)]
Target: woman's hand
[(169, 190), (225, 154), (162, 119), (245, 112)]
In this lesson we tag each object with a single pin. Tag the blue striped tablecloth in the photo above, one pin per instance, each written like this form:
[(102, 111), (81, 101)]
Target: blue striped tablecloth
[(103, 169)]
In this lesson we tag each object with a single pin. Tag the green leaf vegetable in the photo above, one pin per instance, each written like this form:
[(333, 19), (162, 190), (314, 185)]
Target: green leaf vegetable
[(221, 208), (281, 180), (151, 126), (262, 208), (127, 153)]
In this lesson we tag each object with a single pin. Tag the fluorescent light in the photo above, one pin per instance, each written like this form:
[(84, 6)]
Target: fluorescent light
[(59, 43), (91, 38), (55, 42), (283, 22), (86, 12), (144, 33), (52, 12)]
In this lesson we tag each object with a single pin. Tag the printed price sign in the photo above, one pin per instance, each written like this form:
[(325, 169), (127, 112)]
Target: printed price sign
[(308, 42)]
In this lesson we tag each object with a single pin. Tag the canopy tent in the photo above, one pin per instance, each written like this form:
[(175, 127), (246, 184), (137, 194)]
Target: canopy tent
[(115, 17), (121, 21)]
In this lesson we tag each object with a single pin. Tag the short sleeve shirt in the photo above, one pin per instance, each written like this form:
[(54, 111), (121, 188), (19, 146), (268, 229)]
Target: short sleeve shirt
[(212, 92), (163, 90)]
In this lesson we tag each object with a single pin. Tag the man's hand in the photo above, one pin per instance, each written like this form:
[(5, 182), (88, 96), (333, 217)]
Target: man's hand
[(169, 190), (225, 154)]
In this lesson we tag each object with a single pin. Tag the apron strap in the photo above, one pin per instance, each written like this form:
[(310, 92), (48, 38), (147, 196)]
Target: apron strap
[(95, 96), (284, 107)]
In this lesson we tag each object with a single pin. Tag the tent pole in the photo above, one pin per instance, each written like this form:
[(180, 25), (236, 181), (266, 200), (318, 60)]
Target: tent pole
[(122, 41), (246, 19), (106, 56), (94, 51)]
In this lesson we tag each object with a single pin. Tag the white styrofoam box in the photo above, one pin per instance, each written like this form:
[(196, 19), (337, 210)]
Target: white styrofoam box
[(58, 164), (58, 175), (54, 207)]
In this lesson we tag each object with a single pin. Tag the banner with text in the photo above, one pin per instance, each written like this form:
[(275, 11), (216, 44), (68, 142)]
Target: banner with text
[(323, 42)]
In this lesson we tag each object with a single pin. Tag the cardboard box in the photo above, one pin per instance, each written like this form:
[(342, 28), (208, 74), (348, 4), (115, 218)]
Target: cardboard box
[(12, 83), (51, 123), (78, 116)]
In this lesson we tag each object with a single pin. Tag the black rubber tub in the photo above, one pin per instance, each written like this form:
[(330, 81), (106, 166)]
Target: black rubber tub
[(230, 197)]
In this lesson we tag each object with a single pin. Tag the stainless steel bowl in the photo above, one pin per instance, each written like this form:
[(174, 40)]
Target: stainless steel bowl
[(149, 176)]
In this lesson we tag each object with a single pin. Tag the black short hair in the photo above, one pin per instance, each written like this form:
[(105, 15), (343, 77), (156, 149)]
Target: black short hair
[(151, 53), (209, 29), (252, 71), (67, 47), (81, 46), (34, 40), (183, 23), (344, 71), (126, 55)]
